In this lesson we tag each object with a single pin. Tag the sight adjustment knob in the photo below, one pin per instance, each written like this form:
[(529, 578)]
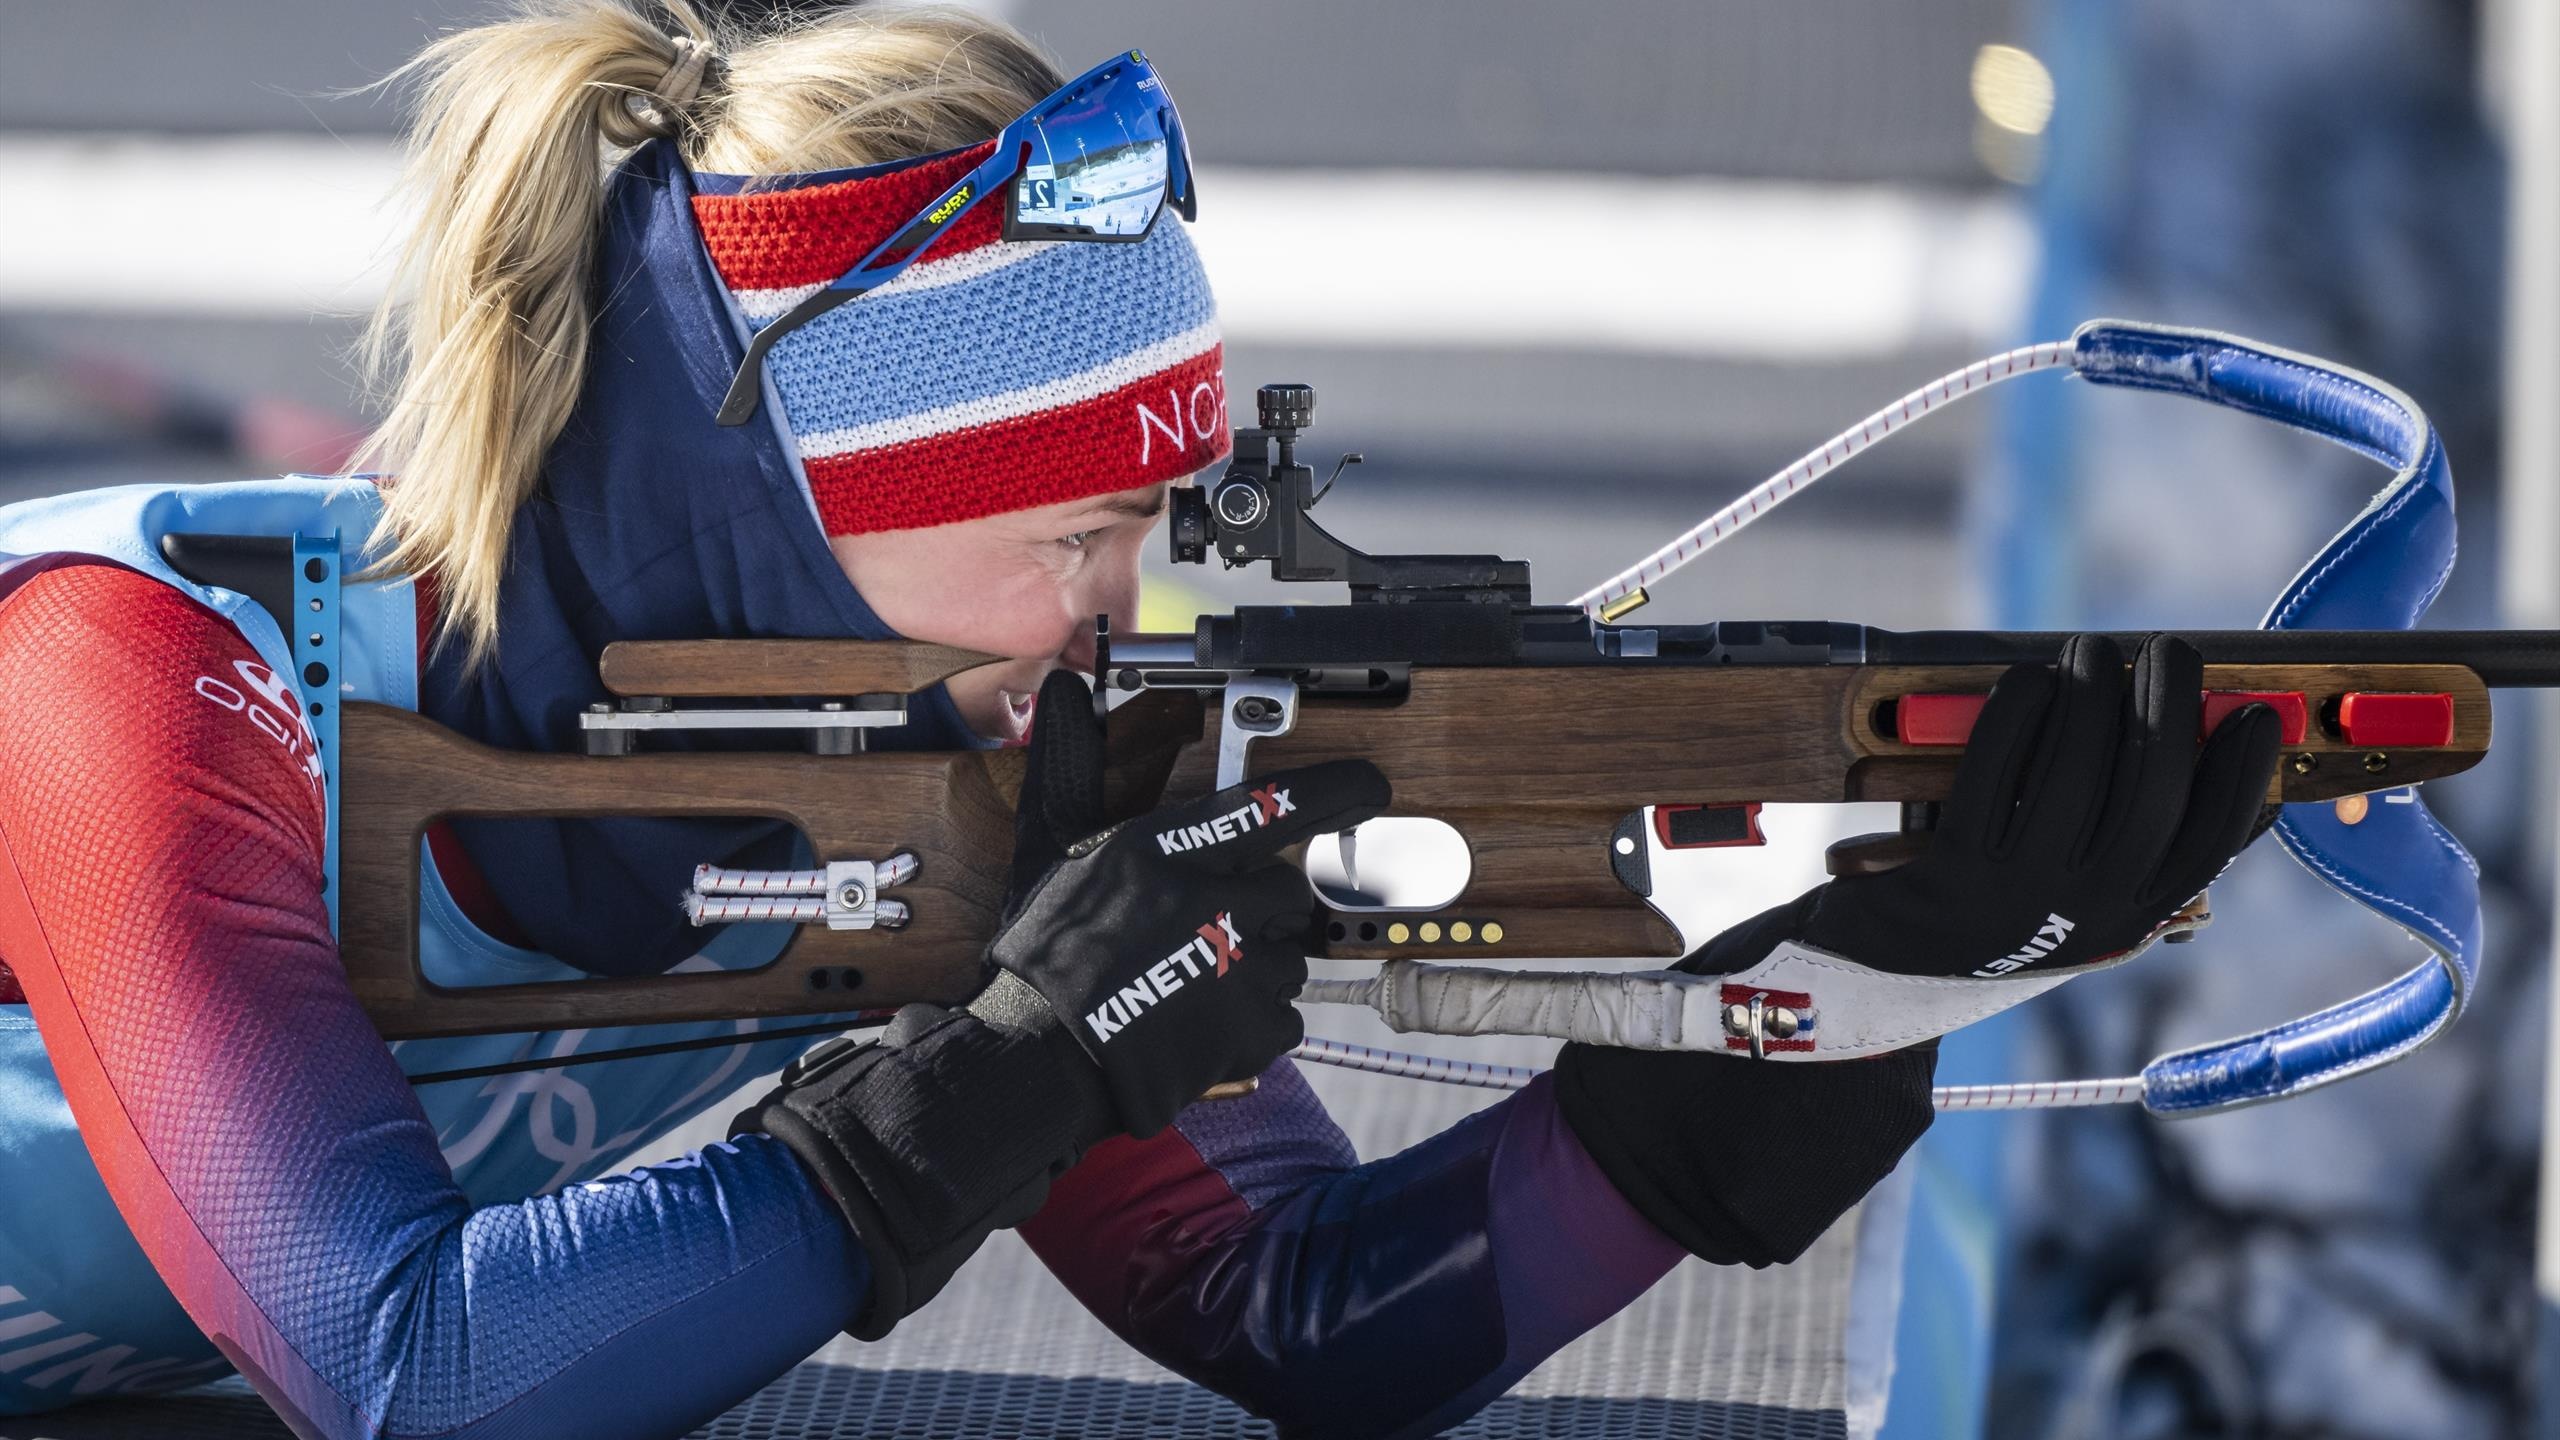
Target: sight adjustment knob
[(1285, 407), (1190, 527), (1240, 504)]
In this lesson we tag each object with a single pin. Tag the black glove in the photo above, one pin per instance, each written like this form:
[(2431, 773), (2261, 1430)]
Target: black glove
[(1172, 944), (2081, 820), (951, 1124), (945, 1128)]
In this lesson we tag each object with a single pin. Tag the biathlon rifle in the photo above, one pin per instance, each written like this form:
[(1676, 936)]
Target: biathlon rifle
[(1576, 752)]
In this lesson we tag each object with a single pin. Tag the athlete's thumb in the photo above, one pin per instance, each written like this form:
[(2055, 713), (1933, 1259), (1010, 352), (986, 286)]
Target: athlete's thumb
[(1062, 781)]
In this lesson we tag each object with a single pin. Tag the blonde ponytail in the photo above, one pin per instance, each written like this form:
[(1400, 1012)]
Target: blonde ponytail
[(481, 344)]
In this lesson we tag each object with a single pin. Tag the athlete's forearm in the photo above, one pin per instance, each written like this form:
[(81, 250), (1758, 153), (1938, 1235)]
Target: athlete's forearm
[(1248, 1252)]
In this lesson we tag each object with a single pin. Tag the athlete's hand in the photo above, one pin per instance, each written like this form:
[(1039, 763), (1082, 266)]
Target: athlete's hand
[(2083, 817), (1135, 967), (1170, 945)]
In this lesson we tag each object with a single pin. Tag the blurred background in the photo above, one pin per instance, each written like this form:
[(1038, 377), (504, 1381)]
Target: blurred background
[(1572, 275)]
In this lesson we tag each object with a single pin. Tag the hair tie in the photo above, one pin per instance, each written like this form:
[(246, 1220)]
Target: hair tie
[(662, 108)]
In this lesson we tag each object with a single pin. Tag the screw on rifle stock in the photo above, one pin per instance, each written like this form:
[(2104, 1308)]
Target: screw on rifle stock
[(2305, 763), (834, 740), (2377, 762)]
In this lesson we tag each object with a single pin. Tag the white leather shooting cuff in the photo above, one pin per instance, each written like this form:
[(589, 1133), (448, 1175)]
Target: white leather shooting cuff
[(1798, 1004)]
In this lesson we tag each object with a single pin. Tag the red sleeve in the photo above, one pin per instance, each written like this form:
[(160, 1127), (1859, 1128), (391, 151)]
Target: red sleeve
[(161, 833), (107, 662), (161, 829)]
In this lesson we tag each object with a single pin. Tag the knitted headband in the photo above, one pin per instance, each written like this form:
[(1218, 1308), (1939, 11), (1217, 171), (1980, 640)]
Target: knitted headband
[(993, 375)]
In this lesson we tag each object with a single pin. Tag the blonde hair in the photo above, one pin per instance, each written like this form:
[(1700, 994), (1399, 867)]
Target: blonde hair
[(480, 347)]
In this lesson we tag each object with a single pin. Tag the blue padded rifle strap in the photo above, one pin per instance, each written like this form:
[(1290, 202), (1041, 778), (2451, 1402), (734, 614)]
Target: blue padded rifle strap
[(2379, 573)]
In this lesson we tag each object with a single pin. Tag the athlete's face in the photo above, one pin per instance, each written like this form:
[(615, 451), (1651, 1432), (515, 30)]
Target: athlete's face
[(1025, 586)]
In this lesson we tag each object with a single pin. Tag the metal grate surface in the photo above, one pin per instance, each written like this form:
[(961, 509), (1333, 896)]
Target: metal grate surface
[(1709, 1354), (933, 1405)]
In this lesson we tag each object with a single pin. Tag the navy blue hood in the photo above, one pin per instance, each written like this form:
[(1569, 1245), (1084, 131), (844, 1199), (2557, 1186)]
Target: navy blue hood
[(651, 523)]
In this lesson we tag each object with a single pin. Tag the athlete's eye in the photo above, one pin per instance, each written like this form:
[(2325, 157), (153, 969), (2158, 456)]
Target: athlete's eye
[(1075, 541)]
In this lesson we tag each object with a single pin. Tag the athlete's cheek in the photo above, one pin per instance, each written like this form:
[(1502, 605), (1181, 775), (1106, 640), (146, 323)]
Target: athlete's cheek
[(1025, 613), (1110, 584), (953, 586)]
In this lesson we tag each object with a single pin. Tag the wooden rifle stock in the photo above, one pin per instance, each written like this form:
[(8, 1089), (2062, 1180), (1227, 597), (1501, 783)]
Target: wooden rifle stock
[(954, 810), (1536, 767)]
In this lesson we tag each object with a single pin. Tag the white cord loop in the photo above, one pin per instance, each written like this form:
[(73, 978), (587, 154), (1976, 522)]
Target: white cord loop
[(1604, 601)]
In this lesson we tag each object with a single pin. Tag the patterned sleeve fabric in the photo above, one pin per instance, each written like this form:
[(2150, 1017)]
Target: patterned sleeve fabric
[(160, 903), (1246, 1249)]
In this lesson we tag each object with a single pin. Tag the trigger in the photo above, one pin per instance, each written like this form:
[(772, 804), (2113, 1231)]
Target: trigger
[(1874, 854)]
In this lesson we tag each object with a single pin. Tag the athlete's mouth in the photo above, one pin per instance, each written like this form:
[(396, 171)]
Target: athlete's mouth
[(1017, 713)]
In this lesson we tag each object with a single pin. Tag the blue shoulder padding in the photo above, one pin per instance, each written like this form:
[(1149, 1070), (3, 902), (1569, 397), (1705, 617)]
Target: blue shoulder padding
[(312, 634), (2379, 573)]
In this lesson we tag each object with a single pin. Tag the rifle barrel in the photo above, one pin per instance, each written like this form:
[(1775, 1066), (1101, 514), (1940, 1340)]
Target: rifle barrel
[(1315, 636)]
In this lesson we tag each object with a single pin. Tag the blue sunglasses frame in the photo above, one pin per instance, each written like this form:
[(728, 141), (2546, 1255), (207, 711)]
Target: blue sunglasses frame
[(1125, 90)]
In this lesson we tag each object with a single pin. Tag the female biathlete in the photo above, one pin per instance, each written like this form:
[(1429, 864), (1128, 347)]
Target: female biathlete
[(214, 1162)]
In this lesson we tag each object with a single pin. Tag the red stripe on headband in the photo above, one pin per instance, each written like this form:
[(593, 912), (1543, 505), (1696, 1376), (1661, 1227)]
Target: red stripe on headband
[(774, 239), (1162, 427)]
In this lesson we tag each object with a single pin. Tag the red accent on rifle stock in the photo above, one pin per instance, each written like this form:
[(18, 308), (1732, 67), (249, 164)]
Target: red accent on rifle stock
[(1936, 719), (2385, 720), (2293, 709), (1948, 719), (1708, 827)]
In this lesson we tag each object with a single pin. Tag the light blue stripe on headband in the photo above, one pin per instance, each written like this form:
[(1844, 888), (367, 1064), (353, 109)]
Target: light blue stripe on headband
[(1063, 312)]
